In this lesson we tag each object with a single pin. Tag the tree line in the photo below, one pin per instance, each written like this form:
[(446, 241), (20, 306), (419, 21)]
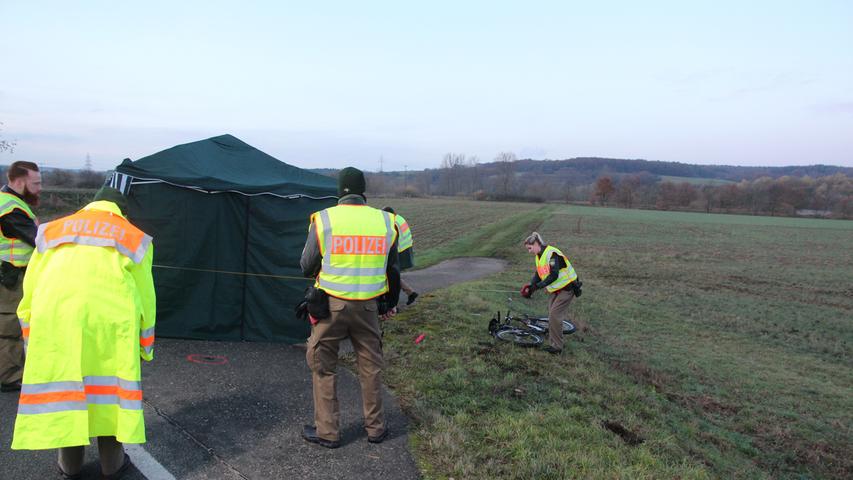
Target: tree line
[(505, 179), (57, 178), (64, 191), (508, 179), (830, 196)]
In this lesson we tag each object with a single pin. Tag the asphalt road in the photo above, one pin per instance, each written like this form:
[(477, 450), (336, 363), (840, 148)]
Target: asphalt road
[(235, 410), (236, 420)]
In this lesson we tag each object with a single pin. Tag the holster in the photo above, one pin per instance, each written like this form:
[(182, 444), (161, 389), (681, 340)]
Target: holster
[(576, 287), (318, 303)]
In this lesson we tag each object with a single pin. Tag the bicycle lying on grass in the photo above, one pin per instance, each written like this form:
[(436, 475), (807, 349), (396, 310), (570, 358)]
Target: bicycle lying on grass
[(530, 332)]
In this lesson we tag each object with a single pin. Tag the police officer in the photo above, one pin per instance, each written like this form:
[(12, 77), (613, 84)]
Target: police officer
[(88, 316), (351, 251), (556, 275), (405, 245), (17, 238)]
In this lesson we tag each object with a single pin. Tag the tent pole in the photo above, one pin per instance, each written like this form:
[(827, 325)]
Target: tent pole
[(245, 277)]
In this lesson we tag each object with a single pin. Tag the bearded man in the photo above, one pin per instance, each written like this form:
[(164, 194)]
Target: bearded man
[(18, 228)]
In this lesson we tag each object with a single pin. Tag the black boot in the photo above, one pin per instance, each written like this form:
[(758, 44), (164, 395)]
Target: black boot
[(412, 298), (379, 438), (309, 433)]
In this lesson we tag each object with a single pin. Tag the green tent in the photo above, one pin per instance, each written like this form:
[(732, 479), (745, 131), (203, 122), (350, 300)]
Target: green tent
[(228, 222)]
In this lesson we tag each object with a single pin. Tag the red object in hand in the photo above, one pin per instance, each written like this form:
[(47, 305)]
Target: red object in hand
[(525, 291), (420, 338)]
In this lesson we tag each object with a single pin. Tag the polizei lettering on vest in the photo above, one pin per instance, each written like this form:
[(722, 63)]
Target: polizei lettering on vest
[(95, 229), (358, 245)]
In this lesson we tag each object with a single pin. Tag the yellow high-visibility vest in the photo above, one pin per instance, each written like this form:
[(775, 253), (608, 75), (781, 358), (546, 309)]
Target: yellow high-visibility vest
[(405, 240), (13, 250), (87, 317), (354, 242), (566, 275)]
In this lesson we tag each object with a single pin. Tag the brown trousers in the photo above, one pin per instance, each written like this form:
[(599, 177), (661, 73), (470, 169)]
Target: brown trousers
[(558, 310), (11, 342), (358, 320)]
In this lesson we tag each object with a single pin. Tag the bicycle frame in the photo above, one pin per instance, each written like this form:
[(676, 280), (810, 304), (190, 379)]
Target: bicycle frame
[(531, 324), (526, 319)]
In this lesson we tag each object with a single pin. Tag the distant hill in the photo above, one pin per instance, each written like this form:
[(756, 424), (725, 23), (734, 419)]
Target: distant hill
[(634, 183), (587, 169)]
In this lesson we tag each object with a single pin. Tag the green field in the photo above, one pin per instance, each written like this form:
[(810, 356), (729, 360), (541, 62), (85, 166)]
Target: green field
[(723, 342), (442, 222), (695, 180)]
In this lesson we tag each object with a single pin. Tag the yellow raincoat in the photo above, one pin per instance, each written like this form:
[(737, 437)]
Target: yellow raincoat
[(87, 316)]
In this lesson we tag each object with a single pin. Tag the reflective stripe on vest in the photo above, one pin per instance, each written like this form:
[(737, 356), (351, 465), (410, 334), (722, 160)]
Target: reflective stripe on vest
[(405, 240), (543, 268), (95, 228), (51, 397), (354, 241), (13, 250)]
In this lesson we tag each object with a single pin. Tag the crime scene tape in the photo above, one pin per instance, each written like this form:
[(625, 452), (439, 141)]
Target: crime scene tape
[(229, 272)]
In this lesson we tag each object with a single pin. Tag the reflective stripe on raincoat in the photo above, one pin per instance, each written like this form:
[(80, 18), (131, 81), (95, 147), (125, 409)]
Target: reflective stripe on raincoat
[(88, 309)]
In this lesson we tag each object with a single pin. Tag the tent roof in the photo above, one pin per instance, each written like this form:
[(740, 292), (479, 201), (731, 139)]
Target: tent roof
[(226, 163)]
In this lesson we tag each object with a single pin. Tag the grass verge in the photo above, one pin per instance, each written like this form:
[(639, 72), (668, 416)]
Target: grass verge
[(493, 240), (710, 347)]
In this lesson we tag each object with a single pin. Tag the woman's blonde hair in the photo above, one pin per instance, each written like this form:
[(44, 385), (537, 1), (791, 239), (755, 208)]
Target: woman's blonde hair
[(534, 238)]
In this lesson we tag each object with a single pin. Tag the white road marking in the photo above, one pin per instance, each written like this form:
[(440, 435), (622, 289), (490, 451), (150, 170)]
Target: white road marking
[(146, 464)]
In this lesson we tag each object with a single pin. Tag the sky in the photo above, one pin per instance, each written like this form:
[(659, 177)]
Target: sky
[(328, 84)]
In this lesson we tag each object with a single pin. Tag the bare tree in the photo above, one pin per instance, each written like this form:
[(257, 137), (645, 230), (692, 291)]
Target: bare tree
[(760, 196), (6, 144), (667, 196), (451, 165), (730, 196), (506, 169), (626, 191), (475, 183), (686, 194), (59, 178), (710, 194), (377, 184), (90, 179), (424, 182)]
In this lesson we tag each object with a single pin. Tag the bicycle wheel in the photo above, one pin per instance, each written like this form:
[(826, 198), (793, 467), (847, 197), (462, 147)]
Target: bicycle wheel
[(519, 337), (542, 322)]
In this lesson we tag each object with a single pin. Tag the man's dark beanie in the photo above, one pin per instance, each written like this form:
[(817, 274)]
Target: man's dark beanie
[(351, 180), (110, 194)]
